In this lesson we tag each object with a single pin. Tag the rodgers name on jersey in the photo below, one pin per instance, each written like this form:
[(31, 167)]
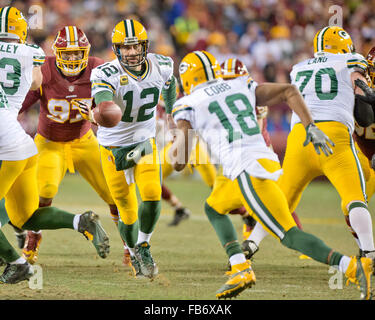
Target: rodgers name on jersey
[(325, 83), (137, 97)]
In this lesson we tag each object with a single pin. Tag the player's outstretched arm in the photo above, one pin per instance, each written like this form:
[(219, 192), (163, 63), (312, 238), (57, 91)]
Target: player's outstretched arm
[(270, 94)]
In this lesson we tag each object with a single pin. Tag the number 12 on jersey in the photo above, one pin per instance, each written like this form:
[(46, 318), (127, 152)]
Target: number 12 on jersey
[(243, 117)]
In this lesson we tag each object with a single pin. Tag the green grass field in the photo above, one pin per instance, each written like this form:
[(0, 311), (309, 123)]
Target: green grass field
[(191, 261)]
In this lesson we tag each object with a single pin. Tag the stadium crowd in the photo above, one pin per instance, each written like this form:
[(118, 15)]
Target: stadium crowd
[(269, 36)]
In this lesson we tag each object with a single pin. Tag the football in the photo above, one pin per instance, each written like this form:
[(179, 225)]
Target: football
[(108, 114)]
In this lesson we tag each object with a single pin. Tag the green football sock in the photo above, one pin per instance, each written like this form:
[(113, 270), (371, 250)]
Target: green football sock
[(7, 252), (311, 246), (129, 233), (224, 229), (49, 218), (149, 213)]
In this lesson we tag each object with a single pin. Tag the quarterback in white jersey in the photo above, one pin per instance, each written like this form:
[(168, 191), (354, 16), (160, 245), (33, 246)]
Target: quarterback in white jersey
[(134, 82), (212, 107)]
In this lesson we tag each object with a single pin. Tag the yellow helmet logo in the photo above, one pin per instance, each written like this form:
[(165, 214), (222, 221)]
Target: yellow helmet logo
[(198, 67), (334, 40), (129, 32), (13, 24)]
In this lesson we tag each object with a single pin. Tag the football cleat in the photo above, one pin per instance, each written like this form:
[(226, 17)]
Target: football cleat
[(89, 225), (359, 272), (241, 277), (14, 273), (136, 268), (180, 214), (249, 248), (31, 249), (147, 264)]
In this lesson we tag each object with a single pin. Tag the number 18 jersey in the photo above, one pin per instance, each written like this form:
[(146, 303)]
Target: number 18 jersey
[(223, 113), (325, 83)]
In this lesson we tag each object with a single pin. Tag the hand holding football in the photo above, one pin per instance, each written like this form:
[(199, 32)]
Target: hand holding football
[(107, 114)]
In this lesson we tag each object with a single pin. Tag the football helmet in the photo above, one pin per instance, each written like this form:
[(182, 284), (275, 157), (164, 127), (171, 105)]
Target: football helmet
[(70, 39), (371, 65), (129, 32), (13, 24), (198, 67), (233, 68), (334, 40)]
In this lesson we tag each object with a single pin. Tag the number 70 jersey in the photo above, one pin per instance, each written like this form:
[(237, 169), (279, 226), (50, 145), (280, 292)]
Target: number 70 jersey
[(223, 113), (137, 96), (325, 83)]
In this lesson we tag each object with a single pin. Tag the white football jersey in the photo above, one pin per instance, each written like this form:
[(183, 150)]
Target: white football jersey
[(324, 82), (136, 96), (16, 64), (223, 113), (15, 143)]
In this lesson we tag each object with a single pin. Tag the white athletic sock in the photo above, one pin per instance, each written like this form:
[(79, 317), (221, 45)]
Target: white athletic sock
[(237, 259), (258, 234), (344, 263), (361, 223), (76, 221), (142, 237), (20, 260), (131, 250)]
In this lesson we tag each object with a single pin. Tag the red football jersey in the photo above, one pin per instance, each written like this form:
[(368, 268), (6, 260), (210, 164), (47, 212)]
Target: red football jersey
[(59, 119), (365, 138)]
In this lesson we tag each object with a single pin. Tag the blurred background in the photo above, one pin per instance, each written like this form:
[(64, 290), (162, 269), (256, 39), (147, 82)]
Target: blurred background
[(269, 36)]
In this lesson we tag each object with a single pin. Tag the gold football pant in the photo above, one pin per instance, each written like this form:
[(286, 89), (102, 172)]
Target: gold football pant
[(199, 160), (262, 198), (302, 164), (82, 154), (147, 176), (20, 189)]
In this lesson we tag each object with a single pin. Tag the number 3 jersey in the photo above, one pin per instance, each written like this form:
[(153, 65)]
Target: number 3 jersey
[(59, 119), (16, 64), (137, 96), (325, 83), (224, 115)]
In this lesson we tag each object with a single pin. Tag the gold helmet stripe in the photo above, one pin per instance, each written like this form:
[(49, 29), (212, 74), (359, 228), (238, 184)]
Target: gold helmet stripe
[(4, 19), (320, 38), (207, 65)]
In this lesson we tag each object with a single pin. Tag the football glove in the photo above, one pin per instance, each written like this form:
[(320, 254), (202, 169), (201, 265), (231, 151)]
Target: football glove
[(318, 138), (84, 109), (369, 96)]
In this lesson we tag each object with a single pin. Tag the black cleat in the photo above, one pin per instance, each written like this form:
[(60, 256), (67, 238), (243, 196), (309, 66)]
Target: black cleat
[(179, 215), (14, 273)]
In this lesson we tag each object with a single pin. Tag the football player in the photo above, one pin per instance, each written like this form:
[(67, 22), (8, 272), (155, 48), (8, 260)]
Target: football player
[(133, 81), (365, 144), (223, 113), (252, 233), (64, 138), (327, 83), (18, 153)]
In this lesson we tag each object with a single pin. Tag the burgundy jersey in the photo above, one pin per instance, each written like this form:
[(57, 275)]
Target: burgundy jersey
[(59, 119), (365, 138)]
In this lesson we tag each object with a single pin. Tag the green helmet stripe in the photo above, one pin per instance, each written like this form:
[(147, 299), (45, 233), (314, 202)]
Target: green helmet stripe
[(1, 19), (320, 39), (126, 29), (210, 68), (204, 67), (132, 26), (6, 19)]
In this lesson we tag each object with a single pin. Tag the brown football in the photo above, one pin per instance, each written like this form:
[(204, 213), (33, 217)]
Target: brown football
[(108, 114)]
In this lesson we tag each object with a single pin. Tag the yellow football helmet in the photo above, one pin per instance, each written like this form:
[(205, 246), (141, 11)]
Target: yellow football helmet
[(13, 24), (198, 67), (129, 32), (334, 40)]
